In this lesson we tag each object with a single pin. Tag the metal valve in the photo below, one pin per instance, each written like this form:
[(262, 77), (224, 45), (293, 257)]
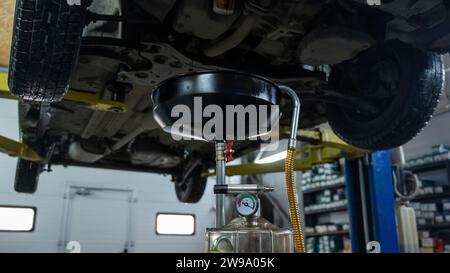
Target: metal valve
[(241, 188)]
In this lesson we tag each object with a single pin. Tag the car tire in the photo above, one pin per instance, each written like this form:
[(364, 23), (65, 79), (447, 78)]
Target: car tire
[(403, 81), (27, 176), (192, 188), (45, 44)]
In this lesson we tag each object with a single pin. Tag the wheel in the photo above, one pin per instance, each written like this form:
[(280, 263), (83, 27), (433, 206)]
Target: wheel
[(191, 189), (27, 176), (403, 82), (45, 45)]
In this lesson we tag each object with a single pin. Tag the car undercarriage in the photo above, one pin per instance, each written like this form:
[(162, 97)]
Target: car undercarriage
[(344, 58)]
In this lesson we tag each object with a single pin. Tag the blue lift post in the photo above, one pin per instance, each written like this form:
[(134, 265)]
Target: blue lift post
[(371, 203)]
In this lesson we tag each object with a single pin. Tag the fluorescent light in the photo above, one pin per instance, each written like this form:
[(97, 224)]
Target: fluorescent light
[(16, 218), (175, 224), (272, 158)]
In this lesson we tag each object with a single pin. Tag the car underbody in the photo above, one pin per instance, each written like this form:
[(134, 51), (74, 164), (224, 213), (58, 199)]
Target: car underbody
[(129, 47)]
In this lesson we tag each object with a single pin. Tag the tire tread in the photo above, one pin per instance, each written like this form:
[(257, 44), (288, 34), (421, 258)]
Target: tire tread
[(46, 40)]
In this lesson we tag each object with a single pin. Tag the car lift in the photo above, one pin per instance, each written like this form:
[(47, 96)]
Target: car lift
[(371, 203), (368, 175)]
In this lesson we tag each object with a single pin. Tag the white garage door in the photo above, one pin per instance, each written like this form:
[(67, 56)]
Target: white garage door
[(99, 220)]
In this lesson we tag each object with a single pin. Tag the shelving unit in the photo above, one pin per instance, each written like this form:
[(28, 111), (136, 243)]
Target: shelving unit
[(430, 166), (327, 210), (433, 196), (328, 187), (434, 226), (440, 173), (329, 233), (329, 180)]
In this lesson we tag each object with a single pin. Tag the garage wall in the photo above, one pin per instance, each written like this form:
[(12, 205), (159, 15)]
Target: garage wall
[(437, 132), (153, 193)]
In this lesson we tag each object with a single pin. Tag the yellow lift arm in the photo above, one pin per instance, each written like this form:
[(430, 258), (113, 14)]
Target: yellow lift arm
[(325, 147), (18, 149), (90, 100)]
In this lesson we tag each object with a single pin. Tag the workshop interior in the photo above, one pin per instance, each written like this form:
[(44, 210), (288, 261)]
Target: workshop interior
[(224, 126)]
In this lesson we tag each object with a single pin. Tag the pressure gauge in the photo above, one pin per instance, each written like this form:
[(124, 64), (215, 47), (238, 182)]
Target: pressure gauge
[(247, 204)]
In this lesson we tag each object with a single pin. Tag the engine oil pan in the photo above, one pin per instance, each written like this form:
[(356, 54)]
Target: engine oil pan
[(223, 89)]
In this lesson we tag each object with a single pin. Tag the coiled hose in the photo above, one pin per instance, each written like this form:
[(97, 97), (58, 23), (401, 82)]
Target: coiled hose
[(291, 190)]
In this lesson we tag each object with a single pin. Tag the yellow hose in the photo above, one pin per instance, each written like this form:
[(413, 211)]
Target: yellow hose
[(291, 190)]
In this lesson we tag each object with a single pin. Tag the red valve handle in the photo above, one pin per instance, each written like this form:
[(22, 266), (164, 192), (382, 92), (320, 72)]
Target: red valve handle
[(229, 151)]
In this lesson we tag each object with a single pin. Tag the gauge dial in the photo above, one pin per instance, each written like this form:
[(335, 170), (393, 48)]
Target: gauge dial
[(247, 204)]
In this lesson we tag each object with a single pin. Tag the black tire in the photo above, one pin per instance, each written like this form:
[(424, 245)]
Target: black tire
[(45, 44), (27, 176), (404, 82), (192, 188)]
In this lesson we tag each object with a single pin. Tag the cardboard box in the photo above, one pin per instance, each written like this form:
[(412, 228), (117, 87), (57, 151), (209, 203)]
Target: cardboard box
[(447, 218), (421, 221), (332, 228), (428, 215), (427, 242), (446, 205), (432, 207), (426, 250), (428, 190)]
